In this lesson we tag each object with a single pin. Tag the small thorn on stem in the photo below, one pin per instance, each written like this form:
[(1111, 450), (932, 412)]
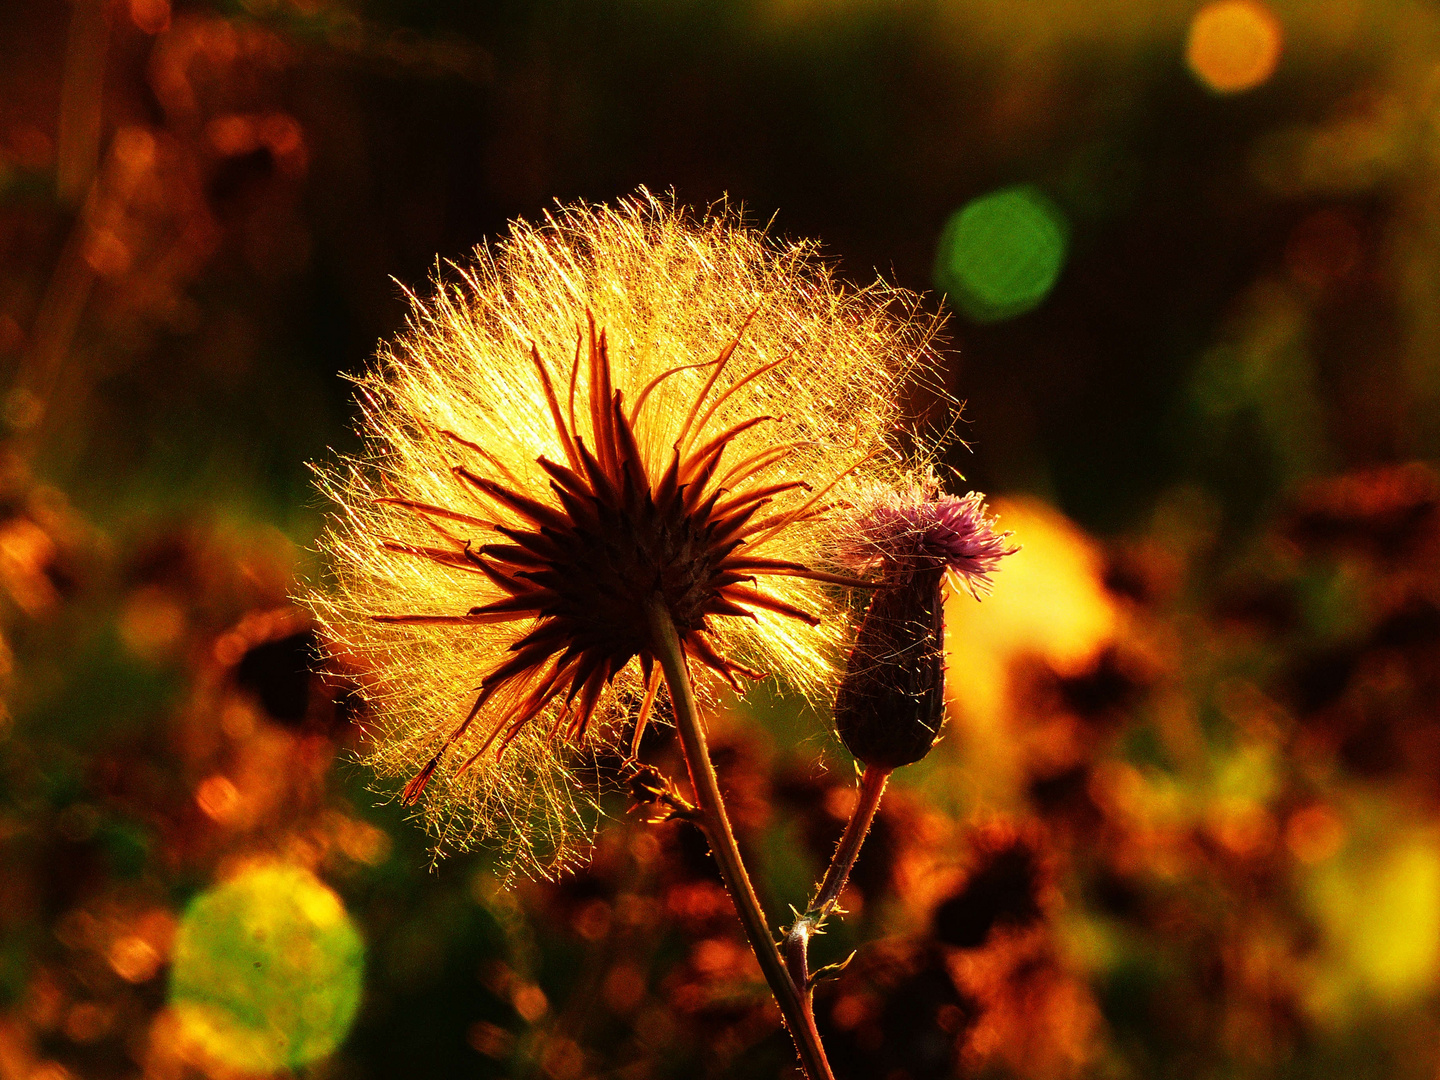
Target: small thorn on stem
[(650, 787), (829, 971)]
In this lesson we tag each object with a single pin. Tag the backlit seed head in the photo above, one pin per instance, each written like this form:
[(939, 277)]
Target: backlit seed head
[(617, 408)]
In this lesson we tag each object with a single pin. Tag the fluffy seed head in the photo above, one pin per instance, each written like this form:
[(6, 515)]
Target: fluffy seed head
[(616, 408)]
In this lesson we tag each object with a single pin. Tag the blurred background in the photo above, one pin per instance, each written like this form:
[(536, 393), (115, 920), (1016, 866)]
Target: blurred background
[(1186, 820)]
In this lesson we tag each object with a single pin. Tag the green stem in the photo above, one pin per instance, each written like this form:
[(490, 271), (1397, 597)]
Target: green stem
[(716, 823)]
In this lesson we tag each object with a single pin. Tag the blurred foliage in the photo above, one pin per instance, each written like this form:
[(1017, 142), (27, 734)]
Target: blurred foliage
[(1186, 821)]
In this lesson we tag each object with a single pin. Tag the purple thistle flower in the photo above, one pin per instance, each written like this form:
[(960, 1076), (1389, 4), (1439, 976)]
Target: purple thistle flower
[(891, 702), (909, 528)]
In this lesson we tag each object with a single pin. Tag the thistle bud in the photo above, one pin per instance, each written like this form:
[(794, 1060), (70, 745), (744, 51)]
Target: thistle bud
[(891, 702)]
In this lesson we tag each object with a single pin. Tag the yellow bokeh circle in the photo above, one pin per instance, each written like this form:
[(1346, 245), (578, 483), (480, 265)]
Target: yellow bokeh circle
[(1234, 45)]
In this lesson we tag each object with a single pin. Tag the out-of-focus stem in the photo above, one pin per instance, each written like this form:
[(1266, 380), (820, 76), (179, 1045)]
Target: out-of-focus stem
[(872, 787), (716, 823), (77, 144), (50, 339), (38, 376)]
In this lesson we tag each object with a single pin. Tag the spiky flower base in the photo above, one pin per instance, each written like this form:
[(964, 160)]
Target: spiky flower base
[(587, 572), (891, 702)]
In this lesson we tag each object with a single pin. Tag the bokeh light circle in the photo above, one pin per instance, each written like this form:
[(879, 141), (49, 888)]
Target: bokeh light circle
[(1234, 45), (1000, 254), (267, 970)]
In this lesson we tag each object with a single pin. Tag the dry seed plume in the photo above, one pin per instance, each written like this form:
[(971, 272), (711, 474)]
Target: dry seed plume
[(614, 405)]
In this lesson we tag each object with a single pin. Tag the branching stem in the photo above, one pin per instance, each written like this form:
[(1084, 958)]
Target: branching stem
[(797, 938)]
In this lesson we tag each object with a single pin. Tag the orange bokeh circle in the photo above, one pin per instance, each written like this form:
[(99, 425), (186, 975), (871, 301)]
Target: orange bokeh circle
[(1234, 45)]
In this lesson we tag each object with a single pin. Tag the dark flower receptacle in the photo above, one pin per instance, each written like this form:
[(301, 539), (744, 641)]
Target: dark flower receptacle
[(891, 702)]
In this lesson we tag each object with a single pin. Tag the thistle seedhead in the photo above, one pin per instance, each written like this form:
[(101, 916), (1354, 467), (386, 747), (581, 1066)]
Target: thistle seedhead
[(615, 408)]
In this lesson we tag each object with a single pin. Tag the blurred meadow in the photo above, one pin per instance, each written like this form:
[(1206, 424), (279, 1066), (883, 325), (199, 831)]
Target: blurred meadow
[(1185, 821)]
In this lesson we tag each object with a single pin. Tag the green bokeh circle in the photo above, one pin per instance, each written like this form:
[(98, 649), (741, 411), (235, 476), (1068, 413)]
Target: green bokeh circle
[(1000, 254), (267, 970)]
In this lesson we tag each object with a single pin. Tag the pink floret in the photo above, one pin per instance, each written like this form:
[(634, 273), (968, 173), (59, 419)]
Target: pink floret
[(912, 528)]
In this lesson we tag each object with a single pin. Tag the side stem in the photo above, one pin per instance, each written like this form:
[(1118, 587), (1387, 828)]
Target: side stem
[(716, 823), (872, 787), (797, 939)]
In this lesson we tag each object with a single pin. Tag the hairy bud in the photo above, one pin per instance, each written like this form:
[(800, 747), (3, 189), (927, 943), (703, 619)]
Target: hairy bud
[(892, 699), (891, 702)]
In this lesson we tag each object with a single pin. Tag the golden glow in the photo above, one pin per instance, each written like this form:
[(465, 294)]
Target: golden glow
[(1050, 603), (1314, 833), (134, 959), (151, 623), (1234, 45), (218, 797), (1378, 905), (151, 16)]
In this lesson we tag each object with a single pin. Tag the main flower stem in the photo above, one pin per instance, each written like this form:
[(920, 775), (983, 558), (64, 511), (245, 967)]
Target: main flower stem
[(716, 824)]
